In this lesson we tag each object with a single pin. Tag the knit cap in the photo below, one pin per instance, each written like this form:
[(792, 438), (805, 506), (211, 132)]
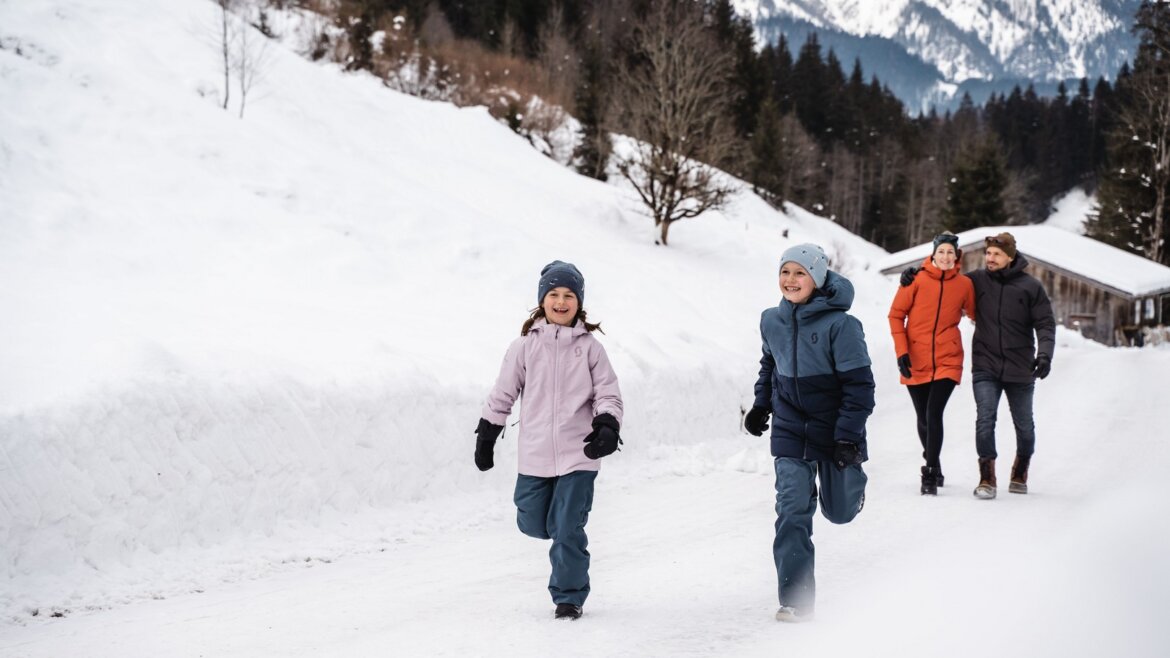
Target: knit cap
[(1005, 241), (811, 257), (946, 237), (557, 274)]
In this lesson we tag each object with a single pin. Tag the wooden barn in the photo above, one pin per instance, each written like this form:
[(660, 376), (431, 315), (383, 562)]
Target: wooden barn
[(1108, 295)]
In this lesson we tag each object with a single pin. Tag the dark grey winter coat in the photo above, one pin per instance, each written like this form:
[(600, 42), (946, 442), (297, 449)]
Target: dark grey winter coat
[(1012, 313)]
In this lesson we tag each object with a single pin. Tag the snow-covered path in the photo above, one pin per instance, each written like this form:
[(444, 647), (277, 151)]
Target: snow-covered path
[(682, 565)]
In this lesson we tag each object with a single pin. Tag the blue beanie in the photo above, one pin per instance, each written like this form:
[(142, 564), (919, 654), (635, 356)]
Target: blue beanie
[(557, 274), (812, 258)]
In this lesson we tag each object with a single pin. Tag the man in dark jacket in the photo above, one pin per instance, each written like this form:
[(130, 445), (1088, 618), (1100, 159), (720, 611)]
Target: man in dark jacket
[(1013, 314)]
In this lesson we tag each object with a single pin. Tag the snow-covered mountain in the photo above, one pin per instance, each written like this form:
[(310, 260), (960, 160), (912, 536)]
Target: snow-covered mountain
[(997, 43)]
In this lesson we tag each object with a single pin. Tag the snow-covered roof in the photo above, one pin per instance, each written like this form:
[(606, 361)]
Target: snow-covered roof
[(1074, 253)]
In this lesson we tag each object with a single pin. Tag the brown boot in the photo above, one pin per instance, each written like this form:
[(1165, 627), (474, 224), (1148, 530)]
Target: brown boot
[(986, 488), (1020, 475)]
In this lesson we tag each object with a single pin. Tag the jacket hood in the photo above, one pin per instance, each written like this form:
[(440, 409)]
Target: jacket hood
[(835, 295)]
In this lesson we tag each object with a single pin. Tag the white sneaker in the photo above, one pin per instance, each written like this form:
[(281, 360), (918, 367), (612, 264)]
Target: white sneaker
[(790, 614)]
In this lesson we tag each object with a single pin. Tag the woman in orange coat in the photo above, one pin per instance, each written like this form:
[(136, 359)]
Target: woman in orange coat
[(924, 320)]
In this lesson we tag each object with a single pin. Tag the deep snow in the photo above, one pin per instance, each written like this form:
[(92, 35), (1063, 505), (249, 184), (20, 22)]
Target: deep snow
[(240, 363)]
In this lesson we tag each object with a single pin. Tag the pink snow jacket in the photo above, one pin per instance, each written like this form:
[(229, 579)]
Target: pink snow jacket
[(566, 380)]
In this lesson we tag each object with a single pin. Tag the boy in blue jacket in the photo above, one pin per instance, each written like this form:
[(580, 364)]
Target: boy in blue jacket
[(815, 382)]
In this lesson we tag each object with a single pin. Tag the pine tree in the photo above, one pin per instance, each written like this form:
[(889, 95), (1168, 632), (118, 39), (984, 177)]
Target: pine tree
[(975, 191), (777, 65), (1135, 186), (1080, 132), (810, 92), (768, 164), (591, 156), (749, 82)]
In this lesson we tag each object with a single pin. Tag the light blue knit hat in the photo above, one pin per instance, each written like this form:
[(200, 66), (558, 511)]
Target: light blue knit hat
[(811, 257)]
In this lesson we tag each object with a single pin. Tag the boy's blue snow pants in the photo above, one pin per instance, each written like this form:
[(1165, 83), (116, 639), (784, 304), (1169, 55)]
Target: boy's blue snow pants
[(842, 494)]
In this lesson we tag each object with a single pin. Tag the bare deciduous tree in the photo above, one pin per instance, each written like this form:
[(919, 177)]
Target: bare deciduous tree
[(226, 34), (1135, 187), (244, 52), (249, 60), (1147, 118), (557, 57), (676, 98)]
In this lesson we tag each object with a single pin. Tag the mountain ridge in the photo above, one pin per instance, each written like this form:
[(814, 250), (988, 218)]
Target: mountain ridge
[(975, 46)]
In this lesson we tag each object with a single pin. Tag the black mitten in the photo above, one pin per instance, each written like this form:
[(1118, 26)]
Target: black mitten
[(485, 443), (846, 453), (904, 365), (908, 275), (604, 439), (756, 421), (1042, 365)]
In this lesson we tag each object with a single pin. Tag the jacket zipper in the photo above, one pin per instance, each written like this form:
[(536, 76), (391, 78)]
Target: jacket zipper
[(934, 332), (556, 400), (796, 373), (999, 327)]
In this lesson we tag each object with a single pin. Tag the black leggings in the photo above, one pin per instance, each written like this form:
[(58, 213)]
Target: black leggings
[(929, 402)]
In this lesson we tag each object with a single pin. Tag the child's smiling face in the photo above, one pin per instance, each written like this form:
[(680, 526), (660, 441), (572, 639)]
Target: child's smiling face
[(560, 306), (796, 284)]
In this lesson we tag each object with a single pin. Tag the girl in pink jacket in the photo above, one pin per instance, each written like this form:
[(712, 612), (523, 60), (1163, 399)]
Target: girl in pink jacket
[(569, 419)]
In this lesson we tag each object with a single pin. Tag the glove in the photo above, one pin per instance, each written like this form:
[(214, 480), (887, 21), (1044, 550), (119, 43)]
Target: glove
[(846, 453), (908, 275), (1042, 365), (757, 420), (485, 443), (904, 365), (604, 439)]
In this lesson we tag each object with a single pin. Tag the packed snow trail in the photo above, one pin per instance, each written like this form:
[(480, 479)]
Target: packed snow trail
[(682, 565)]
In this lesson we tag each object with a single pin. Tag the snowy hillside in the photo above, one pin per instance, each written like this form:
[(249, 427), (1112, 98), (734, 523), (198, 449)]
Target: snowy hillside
[(241, 362)]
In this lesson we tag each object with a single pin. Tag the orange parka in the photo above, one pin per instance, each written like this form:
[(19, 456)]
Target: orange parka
[(924, 320)]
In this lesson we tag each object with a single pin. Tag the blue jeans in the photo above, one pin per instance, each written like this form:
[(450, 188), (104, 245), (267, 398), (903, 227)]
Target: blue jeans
[(557, 508), (987, 390), (842, 494)]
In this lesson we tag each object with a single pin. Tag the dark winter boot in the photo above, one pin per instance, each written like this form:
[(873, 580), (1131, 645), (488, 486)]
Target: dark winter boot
[(939, 478), (986, 488), (929, 481), (1019, 482), (568, 611)]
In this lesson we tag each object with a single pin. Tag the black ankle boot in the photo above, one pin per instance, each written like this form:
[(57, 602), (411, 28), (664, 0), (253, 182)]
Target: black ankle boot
[(929, 481), (567, 611)]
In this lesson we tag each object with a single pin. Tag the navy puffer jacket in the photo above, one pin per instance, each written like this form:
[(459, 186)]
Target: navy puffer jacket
[(815, 373)]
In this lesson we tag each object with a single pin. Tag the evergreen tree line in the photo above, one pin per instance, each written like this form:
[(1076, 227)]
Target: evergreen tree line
[(801, 130)]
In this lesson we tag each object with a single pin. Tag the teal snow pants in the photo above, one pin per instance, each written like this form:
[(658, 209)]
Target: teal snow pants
[(842, 494), (557, 508)]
